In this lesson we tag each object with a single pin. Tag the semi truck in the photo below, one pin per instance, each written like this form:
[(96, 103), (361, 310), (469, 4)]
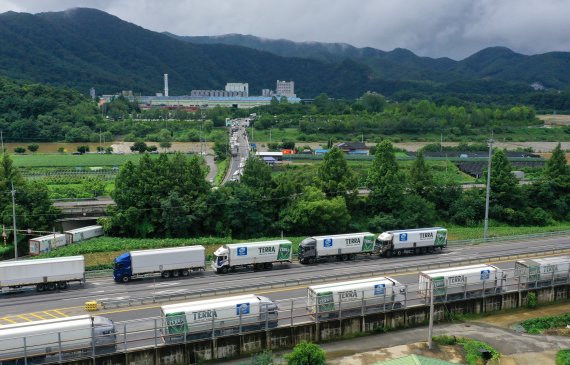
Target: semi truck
[(412, 241), (533, 273), (30, 342), (220, 316), (44, 274), (175, 262), (43, 244), (342, 246), (259, 255), (462, 282), (353, 297), (82, 234)]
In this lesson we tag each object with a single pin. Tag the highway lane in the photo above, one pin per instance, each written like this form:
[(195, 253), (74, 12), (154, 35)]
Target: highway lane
[(70, 302)]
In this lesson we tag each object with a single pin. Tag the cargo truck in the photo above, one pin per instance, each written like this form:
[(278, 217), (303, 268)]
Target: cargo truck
[(532, 273), (355, 297), (44, 274), (343, 247), (175, 262), (43, 244), (462, 282), (259, 255), (412, 241), (32, 342), (218, 317), (82, 234)]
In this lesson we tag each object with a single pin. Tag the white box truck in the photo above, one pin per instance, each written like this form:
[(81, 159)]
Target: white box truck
[(355, 297), (462, 282), (542, 272), (47, 243), (174, 261), (412, 241), (341, 246), (259, 255), (82, 234), (218, 317), (45, 338), (44, 274)]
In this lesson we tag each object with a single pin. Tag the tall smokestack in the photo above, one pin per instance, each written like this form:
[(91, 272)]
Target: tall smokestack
[(165, 84)]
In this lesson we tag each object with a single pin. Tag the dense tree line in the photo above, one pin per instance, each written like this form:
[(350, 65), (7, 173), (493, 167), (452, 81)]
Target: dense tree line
[(324, 200)]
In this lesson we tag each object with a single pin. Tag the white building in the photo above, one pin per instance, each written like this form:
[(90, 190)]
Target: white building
[(238, 87), (285, 88)]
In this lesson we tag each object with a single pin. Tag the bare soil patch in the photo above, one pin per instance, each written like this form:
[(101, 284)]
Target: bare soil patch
[(555, 119)]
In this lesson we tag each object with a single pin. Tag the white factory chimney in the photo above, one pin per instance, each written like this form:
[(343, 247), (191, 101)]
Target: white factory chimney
[(165, 84)]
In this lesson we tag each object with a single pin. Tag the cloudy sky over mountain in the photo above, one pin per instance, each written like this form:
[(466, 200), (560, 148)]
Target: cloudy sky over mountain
[(435, 28)]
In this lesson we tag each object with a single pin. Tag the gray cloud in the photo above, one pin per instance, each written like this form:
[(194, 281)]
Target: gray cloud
[(435, 28)]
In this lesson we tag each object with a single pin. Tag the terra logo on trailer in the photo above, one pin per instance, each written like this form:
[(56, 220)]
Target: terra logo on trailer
[(242, 251), (328, 242)]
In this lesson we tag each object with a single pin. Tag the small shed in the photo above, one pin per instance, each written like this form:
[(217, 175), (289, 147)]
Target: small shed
[(270, 161), (354, 148), (321, 151)]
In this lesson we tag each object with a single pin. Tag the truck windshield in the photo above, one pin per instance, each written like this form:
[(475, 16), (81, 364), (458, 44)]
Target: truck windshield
[(119, 266), (221, 259)]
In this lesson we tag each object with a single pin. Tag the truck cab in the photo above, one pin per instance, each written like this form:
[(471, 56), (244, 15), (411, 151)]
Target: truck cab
[(122, 268), (308, 251), (385, 243), (221, 262)]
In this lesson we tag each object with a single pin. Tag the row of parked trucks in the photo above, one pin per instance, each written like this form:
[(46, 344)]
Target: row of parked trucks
[(44, 244), (228, 315)]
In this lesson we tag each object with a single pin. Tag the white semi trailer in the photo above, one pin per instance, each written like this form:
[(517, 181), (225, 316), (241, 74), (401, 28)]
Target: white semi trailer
[(355, 297), (44, 244), (220, 316), (545, 271), (174, 261), (462, 282), (259, 255), (341, 246), (32, 341), (44, 274), (82, 234), (412, 241)]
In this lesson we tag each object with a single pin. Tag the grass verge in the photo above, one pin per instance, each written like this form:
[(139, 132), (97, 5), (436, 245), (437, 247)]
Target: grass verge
[(222, 170), (472, 348), (563, 357), (538, 325)]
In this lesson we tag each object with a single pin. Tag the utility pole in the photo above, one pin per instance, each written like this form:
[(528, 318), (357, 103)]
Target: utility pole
[(100, 146), (2, 138), (486, 230), (14, 221), (430, 328)]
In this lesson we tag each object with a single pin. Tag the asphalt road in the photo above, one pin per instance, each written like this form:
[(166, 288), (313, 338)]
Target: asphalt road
[(243, 152), (31, 306)]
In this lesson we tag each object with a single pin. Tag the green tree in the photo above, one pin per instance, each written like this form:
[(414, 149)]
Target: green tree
[(33, 147), (313, 213), (504, 184), (82, 149), (257, 175), (19, 150), (384, 180), (139, 146), (165, 145), (335, 178), (373, 102), (421, 180), (306, 353), (556, 166)]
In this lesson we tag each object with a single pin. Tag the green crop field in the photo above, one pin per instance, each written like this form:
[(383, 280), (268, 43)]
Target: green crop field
[(66, 160)]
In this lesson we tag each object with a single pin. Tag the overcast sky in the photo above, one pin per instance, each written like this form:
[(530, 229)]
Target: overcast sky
[(435, 28)]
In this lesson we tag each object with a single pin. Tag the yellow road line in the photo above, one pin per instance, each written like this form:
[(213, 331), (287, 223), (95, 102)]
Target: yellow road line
[(37, 316), (58, 312), (49, 314), (8, 320), (24, 318)]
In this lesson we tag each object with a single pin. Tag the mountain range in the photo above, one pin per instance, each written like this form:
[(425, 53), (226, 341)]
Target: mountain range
[(83, 48)]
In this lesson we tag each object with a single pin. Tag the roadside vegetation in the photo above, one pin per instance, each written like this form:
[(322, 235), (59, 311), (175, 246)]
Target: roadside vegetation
[(473, 348), (546, 324)]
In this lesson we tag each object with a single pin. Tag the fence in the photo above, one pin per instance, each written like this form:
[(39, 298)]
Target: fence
[(154, 333)]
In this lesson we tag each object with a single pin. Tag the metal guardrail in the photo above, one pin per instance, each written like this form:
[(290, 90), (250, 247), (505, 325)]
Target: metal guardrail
[(187, 294)]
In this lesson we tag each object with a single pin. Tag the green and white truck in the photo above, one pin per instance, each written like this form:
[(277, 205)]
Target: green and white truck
[(412, 241), (259, 255), (341, 246)]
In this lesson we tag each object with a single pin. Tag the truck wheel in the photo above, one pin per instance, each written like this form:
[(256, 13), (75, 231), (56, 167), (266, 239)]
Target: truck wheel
[(268, 266), (399, 253), (51, 286), (352, 256), (389, 253), (311, 261), (125, 279), (224, 270), (40, 287), (344, 257), (258, 267), (185, 272), (62, 285), (165, 274), (175, 273)]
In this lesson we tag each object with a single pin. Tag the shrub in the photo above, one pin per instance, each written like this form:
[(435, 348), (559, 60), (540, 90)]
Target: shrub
[(563, 357), (19, 150), (306, 353), (445, 340), (263, 358), (531, 300)]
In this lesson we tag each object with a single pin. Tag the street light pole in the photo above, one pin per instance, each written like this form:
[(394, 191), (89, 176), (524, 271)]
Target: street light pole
[(14, 221), (486, 229), (430, 327)]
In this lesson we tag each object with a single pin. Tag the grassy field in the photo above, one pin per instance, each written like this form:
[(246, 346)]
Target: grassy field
[(100, 252), (65, 160), (222, 169)]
